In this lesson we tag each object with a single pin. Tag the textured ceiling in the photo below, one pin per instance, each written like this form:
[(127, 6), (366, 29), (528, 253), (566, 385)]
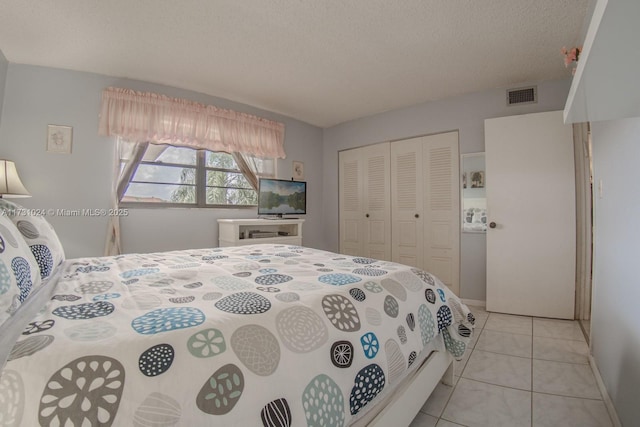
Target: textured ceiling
[(323, 62)]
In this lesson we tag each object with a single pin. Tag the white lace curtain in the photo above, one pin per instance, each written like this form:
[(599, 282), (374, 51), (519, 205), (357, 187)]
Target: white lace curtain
[(123, 171), (138, 116)]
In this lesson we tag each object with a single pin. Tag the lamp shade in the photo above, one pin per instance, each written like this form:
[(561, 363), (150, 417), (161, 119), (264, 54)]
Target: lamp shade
[(10, 184)]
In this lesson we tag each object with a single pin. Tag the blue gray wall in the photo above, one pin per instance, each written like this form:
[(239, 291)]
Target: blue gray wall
[(37, 96), (4, 65), (463, 113), (615, 334)]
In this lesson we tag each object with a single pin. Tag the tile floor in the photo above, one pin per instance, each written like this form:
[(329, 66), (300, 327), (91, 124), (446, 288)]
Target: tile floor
[(519, 371)]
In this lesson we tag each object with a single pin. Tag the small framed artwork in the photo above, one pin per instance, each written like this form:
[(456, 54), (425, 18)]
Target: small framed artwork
[(298, 170), (477, 179), (59, 139)]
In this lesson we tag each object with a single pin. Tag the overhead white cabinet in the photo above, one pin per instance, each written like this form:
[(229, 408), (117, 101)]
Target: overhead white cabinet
[(400, 201), (605, 83)]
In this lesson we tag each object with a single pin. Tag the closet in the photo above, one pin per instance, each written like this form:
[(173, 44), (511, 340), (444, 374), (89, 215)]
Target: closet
[(365, 209), (400, 201)]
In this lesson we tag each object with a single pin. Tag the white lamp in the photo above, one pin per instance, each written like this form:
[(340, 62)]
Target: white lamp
[(10, 184)]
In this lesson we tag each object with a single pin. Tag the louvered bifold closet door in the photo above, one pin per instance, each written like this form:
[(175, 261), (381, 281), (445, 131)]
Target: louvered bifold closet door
[(377, 212), (407, 202), (350, 183), (440, 162)]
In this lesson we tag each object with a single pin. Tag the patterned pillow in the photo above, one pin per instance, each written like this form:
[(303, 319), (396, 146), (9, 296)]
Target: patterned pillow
[(38, 234), (19, 271)]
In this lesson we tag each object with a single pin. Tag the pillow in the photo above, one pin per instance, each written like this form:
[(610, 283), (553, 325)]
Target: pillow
[(19, 271), (38, 234)]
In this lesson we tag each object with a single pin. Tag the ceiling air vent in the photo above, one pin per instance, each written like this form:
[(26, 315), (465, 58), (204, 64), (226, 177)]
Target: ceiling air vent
[(522, 95)]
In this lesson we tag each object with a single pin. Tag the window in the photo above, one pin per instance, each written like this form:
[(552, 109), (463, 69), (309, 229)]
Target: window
[(177, 176)]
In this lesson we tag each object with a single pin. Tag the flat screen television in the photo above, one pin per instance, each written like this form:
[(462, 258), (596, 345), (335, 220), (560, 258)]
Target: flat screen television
[(281, 197)]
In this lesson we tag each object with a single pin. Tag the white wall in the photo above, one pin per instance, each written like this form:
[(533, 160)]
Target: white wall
[(464, 113), (37, 96), (615, 333), (4, 65)]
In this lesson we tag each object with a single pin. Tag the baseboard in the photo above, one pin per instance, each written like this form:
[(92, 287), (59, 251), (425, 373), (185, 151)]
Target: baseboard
[(605, 394), (474, 302)]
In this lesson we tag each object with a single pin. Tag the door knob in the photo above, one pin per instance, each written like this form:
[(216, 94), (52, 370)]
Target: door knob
[(492, 224), (417, 215), (367, 215)]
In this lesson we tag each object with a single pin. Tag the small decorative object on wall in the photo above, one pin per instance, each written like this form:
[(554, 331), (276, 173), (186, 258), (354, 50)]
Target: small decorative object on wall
[(464, 180), (298, 170), (59, 139), (571, 57), (477, 179)]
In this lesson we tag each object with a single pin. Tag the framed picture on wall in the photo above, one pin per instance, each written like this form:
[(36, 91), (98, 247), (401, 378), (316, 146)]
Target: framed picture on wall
[(477, 179), (59, 139), (298, 170)]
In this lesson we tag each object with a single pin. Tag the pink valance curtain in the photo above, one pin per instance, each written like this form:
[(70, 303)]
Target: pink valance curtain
[(138, 116)]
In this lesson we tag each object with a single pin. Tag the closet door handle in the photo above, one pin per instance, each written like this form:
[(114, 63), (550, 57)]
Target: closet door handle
[(367, 215)]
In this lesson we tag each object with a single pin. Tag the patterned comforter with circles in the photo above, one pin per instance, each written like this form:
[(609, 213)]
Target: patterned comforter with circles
[(244, 336)]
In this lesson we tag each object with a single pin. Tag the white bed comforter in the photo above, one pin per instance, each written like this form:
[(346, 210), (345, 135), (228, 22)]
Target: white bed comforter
[(245, 336)]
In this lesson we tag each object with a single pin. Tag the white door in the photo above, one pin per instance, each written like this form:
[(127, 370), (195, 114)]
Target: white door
[(377, 211), (531, 199), (350, 183), (407, 202), (441, 183), (365, 215)]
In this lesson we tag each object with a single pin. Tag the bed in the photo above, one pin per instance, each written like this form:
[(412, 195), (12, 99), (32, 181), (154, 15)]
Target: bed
[(268, 335)]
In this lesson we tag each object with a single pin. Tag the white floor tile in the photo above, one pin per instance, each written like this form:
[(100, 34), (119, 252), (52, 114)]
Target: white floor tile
[(509, 323), (551, 411), (445, 423), (565, 379), (423, 420), (438, 400), (519, 371), (481, 319), (586, 326), (552, 328), (499, 369), (458, 365), (560, 350), (505, 343), (478, 404), (474, 339), (477, 309)]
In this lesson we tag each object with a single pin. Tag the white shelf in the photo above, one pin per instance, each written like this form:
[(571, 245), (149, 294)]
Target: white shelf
[(605, 86), (240, 232)]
